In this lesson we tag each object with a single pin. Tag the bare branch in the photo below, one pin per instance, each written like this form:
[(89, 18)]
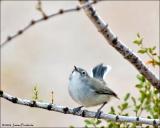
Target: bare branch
[(44, 18), (82, 113), (112, 39)]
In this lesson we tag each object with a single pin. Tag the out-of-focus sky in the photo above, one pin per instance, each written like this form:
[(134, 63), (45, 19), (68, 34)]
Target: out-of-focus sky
[(45, 54)]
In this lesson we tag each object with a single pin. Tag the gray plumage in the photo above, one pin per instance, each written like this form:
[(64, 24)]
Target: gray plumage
[(90, 91)]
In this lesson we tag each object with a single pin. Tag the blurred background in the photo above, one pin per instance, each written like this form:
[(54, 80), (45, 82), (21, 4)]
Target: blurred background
[(45, 54)]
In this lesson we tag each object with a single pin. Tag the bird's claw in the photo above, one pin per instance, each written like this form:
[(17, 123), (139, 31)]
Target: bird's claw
[(75, 110), (98, 114)]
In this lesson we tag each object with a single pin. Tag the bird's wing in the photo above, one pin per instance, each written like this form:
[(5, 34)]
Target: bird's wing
[(99, 87), (100, 71)]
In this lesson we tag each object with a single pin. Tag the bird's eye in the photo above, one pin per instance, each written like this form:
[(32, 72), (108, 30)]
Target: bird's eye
[(83, 72)]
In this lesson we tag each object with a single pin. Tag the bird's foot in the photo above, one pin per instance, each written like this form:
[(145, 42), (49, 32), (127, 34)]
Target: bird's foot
[(75, 110), (98, 114)]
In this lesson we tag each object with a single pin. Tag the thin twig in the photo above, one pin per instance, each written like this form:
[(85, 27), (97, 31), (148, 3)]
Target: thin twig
[(52, 97), (40, 9), (44, 18), (82, 113)]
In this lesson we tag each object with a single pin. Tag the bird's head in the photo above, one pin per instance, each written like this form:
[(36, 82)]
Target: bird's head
[(79, 74)]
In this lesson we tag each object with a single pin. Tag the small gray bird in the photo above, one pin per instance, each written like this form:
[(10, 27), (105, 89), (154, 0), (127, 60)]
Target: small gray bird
[(90, 91)]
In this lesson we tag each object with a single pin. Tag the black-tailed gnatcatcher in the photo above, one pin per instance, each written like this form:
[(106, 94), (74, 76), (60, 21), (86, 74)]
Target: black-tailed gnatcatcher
[(90, 91)]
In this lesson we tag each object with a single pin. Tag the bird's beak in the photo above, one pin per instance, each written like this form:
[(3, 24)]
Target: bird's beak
[(75, 68)]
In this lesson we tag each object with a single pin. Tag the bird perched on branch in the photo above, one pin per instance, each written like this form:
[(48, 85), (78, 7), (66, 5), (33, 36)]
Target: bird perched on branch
[(90, 91)]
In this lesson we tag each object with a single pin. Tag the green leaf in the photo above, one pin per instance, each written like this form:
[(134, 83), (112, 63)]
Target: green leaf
[(138, 41), (133, 125), (139, 85), (126, 114), (111, 125), (154, 47), (86, 126), (155, 91), (155, 116), (143, 96), (35, 93), (134, 100), (157, 62), (71, 126), (88, 122), (138, 107), (150, 50), (127, 96), (141, 78), (149, 117), (124, 106), (154, 54), (138, 35), (112, 111), (142, 51), (97, 121)]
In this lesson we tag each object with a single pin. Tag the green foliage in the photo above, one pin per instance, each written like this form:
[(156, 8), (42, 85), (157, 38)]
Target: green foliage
[(71, 126), (35, 93), (148, 101), (150, 51), (35, 96), (138, 40), (92, 123)]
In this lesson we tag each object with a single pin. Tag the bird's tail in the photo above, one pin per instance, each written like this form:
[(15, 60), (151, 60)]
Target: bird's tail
[(99, 71)]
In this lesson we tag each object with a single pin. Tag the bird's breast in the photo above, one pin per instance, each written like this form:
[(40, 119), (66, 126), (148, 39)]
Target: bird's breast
[(84, 95), (76, 90)]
